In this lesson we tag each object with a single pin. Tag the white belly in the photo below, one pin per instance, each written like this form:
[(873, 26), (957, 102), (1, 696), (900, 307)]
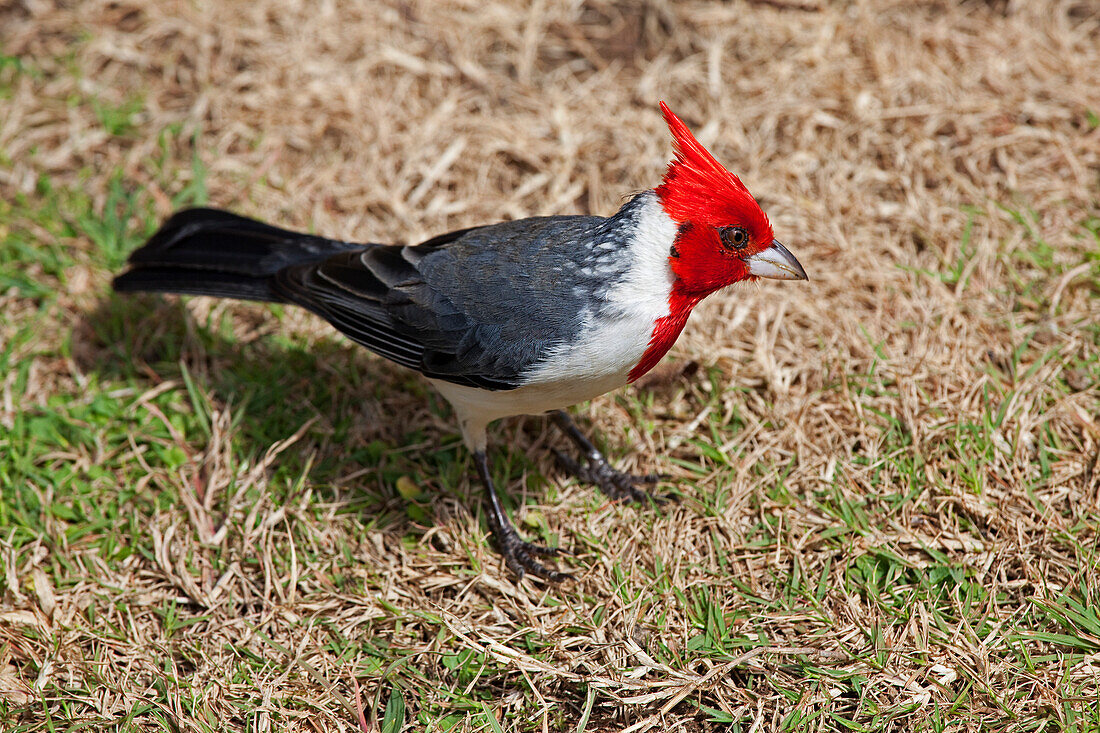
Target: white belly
[(475, 408)]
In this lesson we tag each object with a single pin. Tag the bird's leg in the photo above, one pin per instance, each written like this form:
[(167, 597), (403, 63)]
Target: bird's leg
[(518, 554), (597, 470)]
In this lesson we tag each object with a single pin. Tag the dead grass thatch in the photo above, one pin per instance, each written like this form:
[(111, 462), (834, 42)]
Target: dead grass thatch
[(890, 490)]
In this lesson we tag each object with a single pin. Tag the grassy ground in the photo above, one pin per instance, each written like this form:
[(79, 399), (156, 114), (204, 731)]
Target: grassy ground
[(216, 516)]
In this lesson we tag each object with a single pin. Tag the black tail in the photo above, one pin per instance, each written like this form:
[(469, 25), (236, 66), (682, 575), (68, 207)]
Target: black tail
[(212, 252)]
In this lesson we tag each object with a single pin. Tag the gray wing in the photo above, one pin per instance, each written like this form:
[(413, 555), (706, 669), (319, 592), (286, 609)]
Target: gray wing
[(476, 307)]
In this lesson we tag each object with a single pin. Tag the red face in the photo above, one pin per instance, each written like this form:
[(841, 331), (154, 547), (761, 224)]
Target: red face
[(721, 227), (708, 257), (723, 237)]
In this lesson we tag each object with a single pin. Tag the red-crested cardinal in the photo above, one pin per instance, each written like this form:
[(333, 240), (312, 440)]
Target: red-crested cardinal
[(520, 317)]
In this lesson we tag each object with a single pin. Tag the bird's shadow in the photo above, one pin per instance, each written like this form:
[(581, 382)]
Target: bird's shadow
[(373, 422)]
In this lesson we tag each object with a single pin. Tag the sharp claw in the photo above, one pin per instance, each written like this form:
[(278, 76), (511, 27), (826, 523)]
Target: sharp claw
[(620, 486), (519, 556), (551, 576), (525, 562), (615, 484), (516, 567), (543, 550)]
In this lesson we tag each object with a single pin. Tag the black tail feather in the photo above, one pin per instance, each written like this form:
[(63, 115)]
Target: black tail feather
[(213, 252), (185, 281)]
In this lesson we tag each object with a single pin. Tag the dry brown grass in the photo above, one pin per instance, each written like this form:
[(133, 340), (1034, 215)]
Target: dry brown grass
[(902, 498)]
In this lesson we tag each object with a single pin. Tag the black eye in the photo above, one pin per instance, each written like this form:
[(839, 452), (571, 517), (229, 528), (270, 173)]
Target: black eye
[(733, 237)]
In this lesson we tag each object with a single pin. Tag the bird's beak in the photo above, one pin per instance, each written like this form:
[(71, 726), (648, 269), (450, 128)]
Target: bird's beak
[(776, 263)]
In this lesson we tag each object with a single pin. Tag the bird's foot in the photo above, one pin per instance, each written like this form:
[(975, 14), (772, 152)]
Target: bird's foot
[(615, 484), (521, 556)]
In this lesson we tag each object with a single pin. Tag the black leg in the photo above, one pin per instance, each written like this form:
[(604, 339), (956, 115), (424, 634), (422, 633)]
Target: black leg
[(597, 470), (518, 554)]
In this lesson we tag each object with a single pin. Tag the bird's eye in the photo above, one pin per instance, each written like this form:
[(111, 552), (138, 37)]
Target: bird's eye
[(733, 237)]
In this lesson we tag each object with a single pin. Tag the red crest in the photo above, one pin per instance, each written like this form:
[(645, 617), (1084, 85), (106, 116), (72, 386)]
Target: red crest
[(698, 189)]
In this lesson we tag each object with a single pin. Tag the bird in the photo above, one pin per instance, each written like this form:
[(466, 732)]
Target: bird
[(520, 317)]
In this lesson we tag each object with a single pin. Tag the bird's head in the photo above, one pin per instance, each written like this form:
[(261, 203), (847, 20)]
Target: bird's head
[(723, 236)]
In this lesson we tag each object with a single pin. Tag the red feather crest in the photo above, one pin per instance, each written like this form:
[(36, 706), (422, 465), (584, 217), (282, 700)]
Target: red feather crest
[(697, 188)]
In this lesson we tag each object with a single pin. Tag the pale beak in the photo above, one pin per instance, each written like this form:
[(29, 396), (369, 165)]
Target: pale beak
[(776, 263)]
